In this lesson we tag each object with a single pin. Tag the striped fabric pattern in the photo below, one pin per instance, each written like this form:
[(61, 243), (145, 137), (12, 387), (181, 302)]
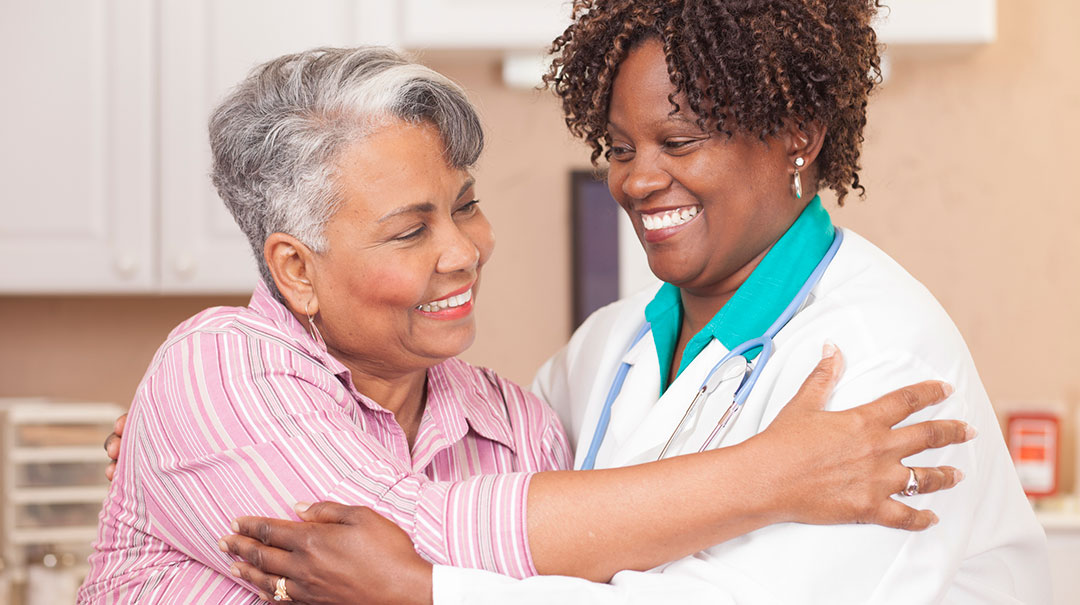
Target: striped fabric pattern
[(242, 413)]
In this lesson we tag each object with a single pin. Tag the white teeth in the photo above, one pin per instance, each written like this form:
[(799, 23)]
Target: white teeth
[(447, 303), (671, 218)]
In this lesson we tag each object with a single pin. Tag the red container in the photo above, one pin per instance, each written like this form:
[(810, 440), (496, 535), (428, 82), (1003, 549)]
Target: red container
[(1034, 439)]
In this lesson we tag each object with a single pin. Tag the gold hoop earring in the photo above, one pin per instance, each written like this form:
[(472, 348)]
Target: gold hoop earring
[(797, 180), (312, 328)]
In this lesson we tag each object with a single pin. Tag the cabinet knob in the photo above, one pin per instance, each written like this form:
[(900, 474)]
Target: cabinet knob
[(184, 266), (126, 265)]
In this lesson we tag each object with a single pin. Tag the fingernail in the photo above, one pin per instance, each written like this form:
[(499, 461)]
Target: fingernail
[(828, 350), (301, 507), (235, 527), (234, 570), (948, 388), (970, 433), (934, 521), (224, 546), (959, 475)]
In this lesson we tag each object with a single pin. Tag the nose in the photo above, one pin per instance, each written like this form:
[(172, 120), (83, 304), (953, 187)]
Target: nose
[(460, 252), (644, 177)]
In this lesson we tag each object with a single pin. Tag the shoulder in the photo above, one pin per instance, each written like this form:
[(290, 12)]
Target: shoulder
[(230, 330), (614, 324), (890, 328), (604, 335), (225, 354), (868, 293)]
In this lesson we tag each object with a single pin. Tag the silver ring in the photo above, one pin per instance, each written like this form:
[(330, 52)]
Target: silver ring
[(912, 486)]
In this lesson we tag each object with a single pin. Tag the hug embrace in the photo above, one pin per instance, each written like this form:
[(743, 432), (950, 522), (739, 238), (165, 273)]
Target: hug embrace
[(723, 452)]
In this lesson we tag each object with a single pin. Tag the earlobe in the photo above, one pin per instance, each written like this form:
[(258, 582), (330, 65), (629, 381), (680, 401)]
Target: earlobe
[(291, 264)]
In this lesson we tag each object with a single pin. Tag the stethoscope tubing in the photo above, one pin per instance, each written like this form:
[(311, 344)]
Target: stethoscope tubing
[(742, 393)]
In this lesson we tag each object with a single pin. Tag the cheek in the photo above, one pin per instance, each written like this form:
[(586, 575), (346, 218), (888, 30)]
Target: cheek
[(615, 178), (385, 285)]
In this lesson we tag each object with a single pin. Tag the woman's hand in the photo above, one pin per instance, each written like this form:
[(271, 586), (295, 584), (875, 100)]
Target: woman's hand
[(809, 466), (112, 446), (845, 467), (343, 555)]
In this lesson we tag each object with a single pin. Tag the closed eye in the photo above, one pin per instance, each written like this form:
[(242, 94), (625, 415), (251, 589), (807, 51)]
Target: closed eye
[(621, 153), (413, 234), (468, 208), (677, 145)]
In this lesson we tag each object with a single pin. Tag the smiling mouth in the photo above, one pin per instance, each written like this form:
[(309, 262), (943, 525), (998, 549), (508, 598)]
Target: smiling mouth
[(449, 302), (669, 218)]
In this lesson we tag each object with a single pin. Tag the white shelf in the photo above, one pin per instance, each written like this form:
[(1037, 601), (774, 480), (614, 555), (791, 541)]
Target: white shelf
[(1059, 521), (65, 413), (61, 454), (59, 495), (55, 535)]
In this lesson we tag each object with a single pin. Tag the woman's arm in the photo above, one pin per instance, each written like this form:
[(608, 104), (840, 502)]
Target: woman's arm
[(809, 466), (819, 462)]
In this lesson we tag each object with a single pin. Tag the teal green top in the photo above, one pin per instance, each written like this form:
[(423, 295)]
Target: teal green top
[(758, 301)]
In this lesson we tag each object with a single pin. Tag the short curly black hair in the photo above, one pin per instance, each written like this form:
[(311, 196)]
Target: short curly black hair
[(758, 63)]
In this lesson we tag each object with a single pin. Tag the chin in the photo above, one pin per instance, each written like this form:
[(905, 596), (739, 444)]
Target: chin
[(454, 345), (668, 271)]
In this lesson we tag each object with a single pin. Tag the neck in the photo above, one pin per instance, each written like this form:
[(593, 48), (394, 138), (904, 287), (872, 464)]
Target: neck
[(401, 393), (700, 305)]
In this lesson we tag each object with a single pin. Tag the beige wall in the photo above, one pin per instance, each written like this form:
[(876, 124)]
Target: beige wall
[(970, 162)]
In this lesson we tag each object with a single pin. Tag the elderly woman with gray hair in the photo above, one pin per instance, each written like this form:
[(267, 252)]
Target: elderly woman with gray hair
[(349, 172)]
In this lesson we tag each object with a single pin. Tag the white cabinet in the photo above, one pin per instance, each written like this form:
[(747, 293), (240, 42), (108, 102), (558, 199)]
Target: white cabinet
[(76, 159), (533, 24), (206, 48), (500, 24), (105, 155)]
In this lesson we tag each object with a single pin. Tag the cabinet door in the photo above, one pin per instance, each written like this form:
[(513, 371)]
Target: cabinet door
[(207, 47), (499, 24), (77, 155)]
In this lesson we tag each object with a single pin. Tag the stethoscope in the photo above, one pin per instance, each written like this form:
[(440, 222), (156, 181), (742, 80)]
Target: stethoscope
[(714, 377)]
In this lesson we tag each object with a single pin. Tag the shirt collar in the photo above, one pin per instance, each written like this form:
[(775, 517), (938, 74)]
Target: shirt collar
[(776, 280), (460, 397)]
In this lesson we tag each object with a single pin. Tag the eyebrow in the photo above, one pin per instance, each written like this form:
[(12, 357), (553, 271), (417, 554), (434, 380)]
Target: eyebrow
[(425, 207), (676, 117)]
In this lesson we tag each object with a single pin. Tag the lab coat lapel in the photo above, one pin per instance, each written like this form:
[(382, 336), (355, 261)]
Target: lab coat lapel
[(645, 424), (635, 400)]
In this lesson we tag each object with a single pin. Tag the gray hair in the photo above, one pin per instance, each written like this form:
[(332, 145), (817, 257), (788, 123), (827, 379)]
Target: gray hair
[(276, 137)]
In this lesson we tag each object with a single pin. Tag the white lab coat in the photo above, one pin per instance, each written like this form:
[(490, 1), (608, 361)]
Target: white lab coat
[(988, 547)]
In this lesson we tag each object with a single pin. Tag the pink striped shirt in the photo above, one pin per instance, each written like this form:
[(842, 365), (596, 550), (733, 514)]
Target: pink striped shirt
[(242, 413)]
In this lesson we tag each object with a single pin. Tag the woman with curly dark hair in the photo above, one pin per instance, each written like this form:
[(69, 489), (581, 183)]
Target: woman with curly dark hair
[(719, 122)]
